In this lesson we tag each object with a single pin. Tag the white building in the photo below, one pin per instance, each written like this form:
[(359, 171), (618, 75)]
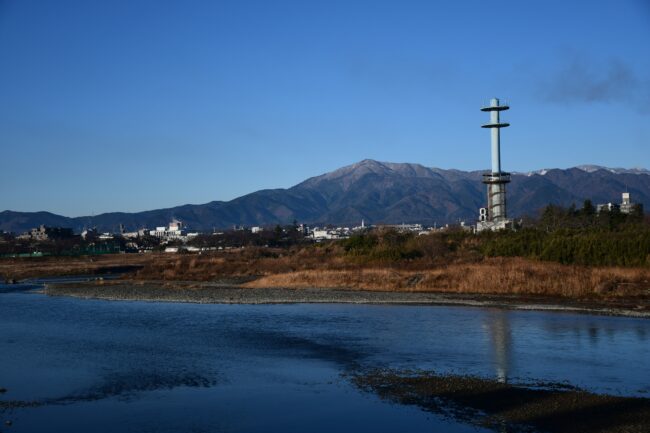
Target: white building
[(403, 228), (494, 225), (173, 231), (337, 233), (321, 234), (626, 205)]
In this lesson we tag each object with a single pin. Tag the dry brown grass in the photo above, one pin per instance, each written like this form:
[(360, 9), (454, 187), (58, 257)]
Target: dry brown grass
[(491, 276), (20, 268), (327, 268), (247, 262)]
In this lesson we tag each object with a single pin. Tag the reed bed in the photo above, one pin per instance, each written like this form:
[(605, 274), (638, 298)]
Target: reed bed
[(492, 276), (330, 268), (34, 267)]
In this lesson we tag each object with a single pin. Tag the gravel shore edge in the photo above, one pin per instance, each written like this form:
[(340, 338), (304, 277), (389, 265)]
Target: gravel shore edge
[(228, 293)]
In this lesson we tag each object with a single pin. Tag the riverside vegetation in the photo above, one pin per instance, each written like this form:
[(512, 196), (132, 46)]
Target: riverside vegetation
[(571, 253), (566, 252)]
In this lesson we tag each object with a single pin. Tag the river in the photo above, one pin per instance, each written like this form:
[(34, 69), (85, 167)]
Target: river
[(106, 366)]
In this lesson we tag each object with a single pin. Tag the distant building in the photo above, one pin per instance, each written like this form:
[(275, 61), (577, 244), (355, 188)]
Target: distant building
[(362, 227), (319, 234), (173, 231), (43, 233), (626, 204), (625, 207), (89, 233), (606, 207), (404, 228)]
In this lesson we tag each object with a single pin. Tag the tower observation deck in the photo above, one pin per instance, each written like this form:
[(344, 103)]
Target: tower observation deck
[(495, 216)]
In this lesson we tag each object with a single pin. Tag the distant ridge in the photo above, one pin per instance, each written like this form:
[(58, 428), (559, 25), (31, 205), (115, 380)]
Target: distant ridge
[(378, 192), (590, 168), (633, 170)]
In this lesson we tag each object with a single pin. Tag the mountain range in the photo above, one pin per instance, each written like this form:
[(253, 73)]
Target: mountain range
[(378, 192)]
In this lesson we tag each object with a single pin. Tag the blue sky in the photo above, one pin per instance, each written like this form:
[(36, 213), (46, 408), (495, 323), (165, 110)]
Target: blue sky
[(135, 105)]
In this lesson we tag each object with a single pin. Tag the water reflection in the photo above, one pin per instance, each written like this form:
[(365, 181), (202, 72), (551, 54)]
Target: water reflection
[(242, 366), (498, 326)]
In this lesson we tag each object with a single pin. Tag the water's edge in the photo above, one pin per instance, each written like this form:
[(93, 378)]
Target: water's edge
[(232, 294)]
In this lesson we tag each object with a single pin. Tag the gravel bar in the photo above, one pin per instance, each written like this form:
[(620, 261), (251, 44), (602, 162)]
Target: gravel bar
[(227, 292)]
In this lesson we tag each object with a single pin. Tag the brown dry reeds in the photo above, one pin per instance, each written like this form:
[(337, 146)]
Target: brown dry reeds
[(244, 262), (491, 276), (325, 267), (33, 267)]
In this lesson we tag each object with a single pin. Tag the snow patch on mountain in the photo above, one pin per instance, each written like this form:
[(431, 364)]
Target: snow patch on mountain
[(592, 168)]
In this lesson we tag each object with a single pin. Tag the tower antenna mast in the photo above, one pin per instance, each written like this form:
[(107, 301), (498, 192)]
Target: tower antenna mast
[(495, 216)]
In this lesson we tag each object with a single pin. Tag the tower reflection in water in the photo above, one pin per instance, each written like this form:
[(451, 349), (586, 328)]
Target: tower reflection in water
[(498, 327)]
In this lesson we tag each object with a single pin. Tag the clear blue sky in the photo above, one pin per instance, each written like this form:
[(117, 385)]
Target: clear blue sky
[(133, 105)]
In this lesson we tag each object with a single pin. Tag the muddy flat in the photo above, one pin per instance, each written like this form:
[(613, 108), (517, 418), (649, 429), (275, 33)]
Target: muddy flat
[(489, 403)]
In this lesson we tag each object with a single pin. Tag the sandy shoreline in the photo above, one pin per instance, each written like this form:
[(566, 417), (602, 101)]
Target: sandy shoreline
[(229, 292)]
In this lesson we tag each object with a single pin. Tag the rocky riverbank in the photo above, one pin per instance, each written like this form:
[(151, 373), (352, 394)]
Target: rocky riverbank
[(230, 291)]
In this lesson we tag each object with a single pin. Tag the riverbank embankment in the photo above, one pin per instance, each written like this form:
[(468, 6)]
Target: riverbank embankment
[(234, 291)]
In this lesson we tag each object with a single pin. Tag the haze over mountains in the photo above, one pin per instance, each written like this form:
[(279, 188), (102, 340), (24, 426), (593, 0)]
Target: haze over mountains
[(379, 192)]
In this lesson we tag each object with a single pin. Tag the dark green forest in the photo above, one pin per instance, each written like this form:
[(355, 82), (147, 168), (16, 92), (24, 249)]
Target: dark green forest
[(565, 235), (577, 236)]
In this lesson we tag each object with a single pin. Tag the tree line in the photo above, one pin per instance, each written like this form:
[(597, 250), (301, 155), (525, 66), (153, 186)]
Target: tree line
[(571, 235), (577, 236)]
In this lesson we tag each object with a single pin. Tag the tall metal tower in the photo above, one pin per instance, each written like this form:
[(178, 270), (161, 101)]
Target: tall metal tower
[(495, 216)]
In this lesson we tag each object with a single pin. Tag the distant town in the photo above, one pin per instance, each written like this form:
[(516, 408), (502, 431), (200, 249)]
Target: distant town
[(175, 237)]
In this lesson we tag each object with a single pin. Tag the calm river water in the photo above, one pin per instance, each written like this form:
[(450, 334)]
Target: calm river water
[(106, 366)]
